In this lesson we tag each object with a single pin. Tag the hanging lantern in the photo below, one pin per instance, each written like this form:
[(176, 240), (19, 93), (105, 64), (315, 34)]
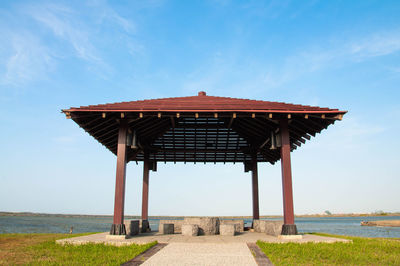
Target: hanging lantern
[(273, 141), (278, 140), (134, 141), (129, 138)]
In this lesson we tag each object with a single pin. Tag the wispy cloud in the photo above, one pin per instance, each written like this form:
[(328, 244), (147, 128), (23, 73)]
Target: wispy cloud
[(37, 37), (27, 59), (108, 15), (394, 69), (228, 71), (65, 24), (376, 45), (335, 54)]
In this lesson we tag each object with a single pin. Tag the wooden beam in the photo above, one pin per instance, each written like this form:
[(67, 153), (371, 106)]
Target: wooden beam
[(101, 124), (141, 123), (301, 125), (246, 131), (230, 122), (299, 131), (153, 127), (84, 125), (298, 135), (172, 122), (254, 178), (145, 191), (252, 126), (118, 227), (320, 125), (271, 155), (264, 143), (107, 134), (259, 123), (288, 211), (182, 150), (133, 155), (324, 116)]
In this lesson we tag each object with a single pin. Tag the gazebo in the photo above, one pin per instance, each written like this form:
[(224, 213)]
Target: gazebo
[(204, 129)]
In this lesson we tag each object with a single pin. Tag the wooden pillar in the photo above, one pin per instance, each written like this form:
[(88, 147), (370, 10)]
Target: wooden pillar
[(289, 228), (145, 194), (118, 227), (254, 177)]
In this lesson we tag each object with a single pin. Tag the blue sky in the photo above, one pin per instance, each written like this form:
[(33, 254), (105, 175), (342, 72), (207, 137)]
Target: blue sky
[(338, 54)]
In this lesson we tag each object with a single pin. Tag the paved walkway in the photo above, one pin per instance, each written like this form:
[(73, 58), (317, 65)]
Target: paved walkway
[(245, 237), (203, 254), (199, 250)]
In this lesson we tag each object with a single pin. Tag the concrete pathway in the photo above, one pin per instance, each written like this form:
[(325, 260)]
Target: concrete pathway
[(246, 237), (199, 250), (203, 254)]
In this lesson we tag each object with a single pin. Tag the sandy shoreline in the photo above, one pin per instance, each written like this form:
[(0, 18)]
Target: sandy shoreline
[(385, 223)]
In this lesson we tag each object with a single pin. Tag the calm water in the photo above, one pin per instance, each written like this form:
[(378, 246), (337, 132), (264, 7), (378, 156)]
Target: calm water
[(333, 225)]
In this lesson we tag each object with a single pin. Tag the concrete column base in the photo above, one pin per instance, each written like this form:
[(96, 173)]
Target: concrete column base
[(290, 237), (116, 237), (118, 229), (145, 226), (289, 229)]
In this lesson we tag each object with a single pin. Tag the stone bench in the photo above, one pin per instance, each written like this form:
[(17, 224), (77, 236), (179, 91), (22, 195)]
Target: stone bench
[(239, 224), (227, 229), (207, 225), (132, 227), (273, 228), (168, 229), (190, 229), (177, 225)]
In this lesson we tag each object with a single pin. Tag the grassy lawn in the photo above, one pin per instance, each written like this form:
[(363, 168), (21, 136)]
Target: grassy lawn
[(363, 251), (42, 249)]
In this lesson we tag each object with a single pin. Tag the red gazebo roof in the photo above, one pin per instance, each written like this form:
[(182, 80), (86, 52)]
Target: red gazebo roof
[(204, 103), (203, 128)]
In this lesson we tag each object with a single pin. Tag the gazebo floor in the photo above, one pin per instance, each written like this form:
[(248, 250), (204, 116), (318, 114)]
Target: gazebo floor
[(245, 237)]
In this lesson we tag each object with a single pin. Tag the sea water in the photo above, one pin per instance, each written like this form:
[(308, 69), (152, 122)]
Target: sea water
[(61, 224)]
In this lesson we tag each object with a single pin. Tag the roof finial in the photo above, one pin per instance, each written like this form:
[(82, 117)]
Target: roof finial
[(202, 93)]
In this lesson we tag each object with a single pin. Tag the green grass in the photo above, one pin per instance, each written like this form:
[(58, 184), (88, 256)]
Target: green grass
[(362, 251), (41, 249)]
